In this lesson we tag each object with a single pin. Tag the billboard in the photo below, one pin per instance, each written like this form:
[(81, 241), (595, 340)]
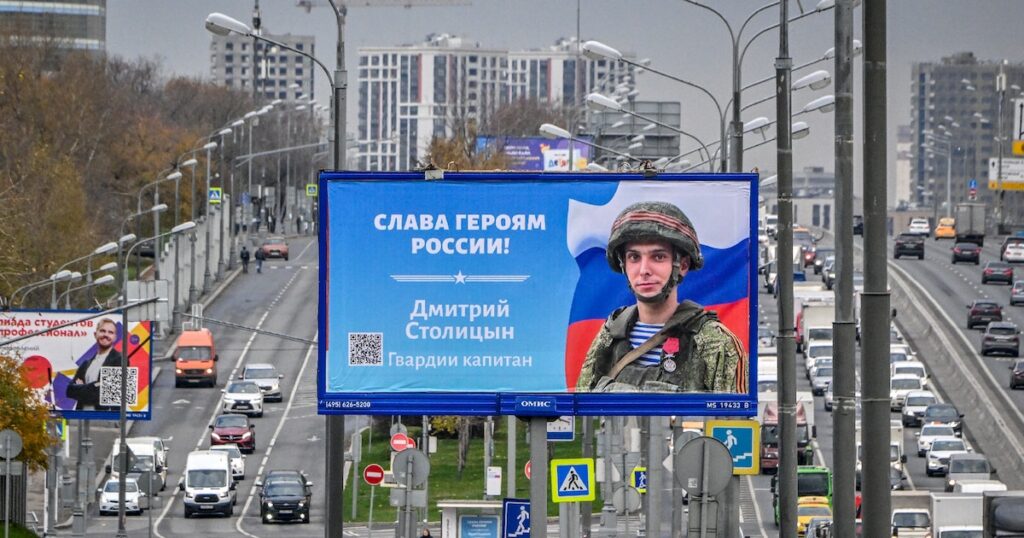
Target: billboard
[(537, 154), (482, 293), (76, 369)]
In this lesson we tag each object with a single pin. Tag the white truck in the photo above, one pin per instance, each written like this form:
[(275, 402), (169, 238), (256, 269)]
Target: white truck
[(956, 515), (816, 313), (911, 514)]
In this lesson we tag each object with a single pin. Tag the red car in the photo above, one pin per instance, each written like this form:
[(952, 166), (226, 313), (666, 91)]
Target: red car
[(275, 247), (233, 429)]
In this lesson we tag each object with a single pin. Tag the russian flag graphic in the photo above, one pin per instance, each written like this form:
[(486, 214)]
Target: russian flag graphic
[(720, 212)]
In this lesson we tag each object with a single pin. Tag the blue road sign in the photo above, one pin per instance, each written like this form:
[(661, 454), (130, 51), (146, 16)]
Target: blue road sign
[(742, 438), (515, 517), (639, 479), (215, 195), (572, 480), (246, 200), (972, 184)]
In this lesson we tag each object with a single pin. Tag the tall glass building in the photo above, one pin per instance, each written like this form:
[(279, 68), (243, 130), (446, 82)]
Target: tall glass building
[(70, 24)]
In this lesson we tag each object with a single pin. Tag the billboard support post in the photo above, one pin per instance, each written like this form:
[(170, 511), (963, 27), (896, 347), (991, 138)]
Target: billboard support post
[(539, 476), (511, 447)]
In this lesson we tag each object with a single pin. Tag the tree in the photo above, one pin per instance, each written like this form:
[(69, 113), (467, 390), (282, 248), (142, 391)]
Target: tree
[(24, 412), (524, 117), (460, 151)]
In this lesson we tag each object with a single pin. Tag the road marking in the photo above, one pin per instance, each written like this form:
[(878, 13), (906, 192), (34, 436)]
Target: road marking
[(273, 441), (757, 510), (217, 408)]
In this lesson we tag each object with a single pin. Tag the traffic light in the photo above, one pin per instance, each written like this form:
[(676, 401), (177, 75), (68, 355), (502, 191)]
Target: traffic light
[(1003, 514)]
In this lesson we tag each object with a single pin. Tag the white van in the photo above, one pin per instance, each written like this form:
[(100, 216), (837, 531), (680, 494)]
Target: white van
[(208, 485), (145, 458)]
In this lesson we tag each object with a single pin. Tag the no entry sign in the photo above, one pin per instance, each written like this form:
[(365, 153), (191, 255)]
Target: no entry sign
[(401, 441), (373, 474)]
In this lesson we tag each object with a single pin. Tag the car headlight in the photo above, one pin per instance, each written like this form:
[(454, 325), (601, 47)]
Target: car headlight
[(177, 370), (223, 495), (246, 435), (270, 504), (951, 483), (302, 504), (188, 494), (214, 436), (209, 370)]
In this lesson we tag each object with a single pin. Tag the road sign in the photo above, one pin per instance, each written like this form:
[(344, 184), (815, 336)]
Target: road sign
[(311, 190), (526, 470), (626, 499), (1013, 174), (246, 199), (10, 444), (420, 467), (373, 474), (638, 479), (690, 463), (400, 442), (515, 518), (742, 438), (1018, 123), (562, 429), (972, 184), (572, 480), (215, 195)]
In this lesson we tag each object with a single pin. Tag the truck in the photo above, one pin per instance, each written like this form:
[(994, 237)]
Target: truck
[(911, 514), (817, 313), (770, 435), (970, 223), (953, 514)]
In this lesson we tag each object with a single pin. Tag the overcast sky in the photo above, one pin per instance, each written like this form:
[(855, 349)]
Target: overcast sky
[(679, 38)]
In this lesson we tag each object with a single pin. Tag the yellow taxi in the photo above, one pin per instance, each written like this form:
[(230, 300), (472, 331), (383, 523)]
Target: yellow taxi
[(946, 229), (808, 508)]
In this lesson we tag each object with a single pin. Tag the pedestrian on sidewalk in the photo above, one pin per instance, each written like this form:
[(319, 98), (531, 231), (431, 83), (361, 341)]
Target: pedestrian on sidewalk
[(260, 256), (244, 255)]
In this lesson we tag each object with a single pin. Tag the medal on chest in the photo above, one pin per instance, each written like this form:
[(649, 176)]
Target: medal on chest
[(670, 349)]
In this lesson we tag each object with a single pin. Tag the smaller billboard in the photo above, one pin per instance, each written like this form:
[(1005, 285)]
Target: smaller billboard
[(76, 369), (538, 154), (1013, 174)]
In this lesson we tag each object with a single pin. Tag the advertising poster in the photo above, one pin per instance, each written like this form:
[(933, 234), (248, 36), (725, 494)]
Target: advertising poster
[(462, 293), (77, 369), (537, 154)]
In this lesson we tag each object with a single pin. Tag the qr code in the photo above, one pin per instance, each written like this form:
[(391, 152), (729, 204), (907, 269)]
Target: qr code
[(110, 386), (365, 349)]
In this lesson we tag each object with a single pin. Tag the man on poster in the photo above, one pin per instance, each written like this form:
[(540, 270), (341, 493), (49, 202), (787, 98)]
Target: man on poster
[(659, 344), (85, 387)]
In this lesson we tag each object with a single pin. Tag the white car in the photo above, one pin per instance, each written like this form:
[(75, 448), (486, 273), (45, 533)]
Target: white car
[(820, 380), (919, 226), (914, 404), (236, 457), (159, 447), (914, 368), (1014, 252), (109, 497), (244, 397), (266, 376), (817, 363), (899, 386), (815, 350), (929, 433), (938, 455)]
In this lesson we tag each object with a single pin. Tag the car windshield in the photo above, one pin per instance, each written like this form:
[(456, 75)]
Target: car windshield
[(767, 386), (935, 431), (207, 478), (908, 370), (194, 353), (985, 306), (904, 384), (802, 237), (1002, 331), (941, 412), (968, 466), (948, 444), (244, 388), (273, 241), (142, 463), (1018, 285), (920, 401), (897, 356), (966, 246), (130, 486), (998, 265), (812, 485), (820, 334), (911, 519), (260, 373), (824, 371), (230, 421), (820, 351), (813, 511), (290, 489)]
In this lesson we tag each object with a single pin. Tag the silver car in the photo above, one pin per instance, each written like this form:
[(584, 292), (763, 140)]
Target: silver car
[(821, 379), (266, 376)]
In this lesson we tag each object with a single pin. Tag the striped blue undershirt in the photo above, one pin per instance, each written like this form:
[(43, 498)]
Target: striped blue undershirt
[(640, 333)]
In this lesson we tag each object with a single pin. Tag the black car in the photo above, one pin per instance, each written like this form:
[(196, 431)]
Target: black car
[(966, 252), (1001, 336), (944, 413), (858, 225), (997, 272), (982, 312), (285, 496), (908, 244), (820, 256), (1017, 374)]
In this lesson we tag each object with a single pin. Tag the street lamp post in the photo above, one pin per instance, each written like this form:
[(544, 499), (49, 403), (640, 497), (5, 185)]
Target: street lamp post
[(209, 146), (553, 131), (220, 224)]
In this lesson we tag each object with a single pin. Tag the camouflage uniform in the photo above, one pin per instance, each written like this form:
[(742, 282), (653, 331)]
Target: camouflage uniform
[(704, 355)]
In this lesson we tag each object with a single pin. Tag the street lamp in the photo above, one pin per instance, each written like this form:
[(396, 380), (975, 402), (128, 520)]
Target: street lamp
[(209, 147), (66, 296), (553, 131)]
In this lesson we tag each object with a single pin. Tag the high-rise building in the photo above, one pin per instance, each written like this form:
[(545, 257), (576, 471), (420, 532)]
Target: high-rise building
[(902, 183), (408, 94), (956, 99), (276, 70), (70, 24)]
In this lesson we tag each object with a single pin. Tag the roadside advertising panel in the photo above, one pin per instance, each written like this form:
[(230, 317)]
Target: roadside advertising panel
[(76, 369), (488, 294), (537, 154)]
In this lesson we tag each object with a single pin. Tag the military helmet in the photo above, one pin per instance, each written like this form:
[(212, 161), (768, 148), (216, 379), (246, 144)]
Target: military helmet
[(646, 221)]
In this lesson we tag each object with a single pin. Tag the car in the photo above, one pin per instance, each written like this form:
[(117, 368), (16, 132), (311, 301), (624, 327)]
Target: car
[(109, 496), (820, 255), (160, 447), (929, 433), (244, 397), (914, 404), (1007, 241), (982, 312), (285, 495), (818, 363), (275, 247), (910, 522), (1017, 374), (1001, 337), (771, 272), (828, 272), (966, 252), (908, 244), (900, 354), (944, 413), (814, 350), (233, 429), (997, 272), (766, 341), (937, 457), (915, 368), (967, 467), (1017, 293), (1014, 253), (265, 375), (820, 380), (237, 459), (919, 226), (858, 225), (946, 229), (815, 525), (899, 386), (808, 508)]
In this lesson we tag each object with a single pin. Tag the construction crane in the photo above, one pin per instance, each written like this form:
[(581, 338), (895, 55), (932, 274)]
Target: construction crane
[(310, 4)]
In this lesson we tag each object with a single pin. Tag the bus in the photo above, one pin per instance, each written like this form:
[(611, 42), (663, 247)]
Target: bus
[(811, 481)]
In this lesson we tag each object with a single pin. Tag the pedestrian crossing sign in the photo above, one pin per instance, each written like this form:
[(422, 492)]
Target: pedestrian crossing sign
[(638, 479), (216, 193), (311, 190), (572, 480), (743, 439)]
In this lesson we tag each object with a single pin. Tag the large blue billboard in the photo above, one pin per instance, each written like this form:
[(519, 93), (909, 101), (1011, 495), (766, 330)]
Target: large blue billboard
[(534, 154), (491, 293)]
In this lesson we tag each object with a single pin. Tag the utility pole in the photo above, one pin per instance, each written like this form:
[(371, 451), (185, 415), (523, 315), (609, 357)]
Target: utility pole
[(1001, 93), (256, 22), (844, 458), (787, 490), (875, 299)]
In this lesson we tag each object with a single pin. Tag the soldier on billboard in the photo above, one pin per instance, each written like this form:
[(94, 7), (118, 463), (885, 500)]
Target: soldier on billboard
[(660, 344), (85, 387)]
